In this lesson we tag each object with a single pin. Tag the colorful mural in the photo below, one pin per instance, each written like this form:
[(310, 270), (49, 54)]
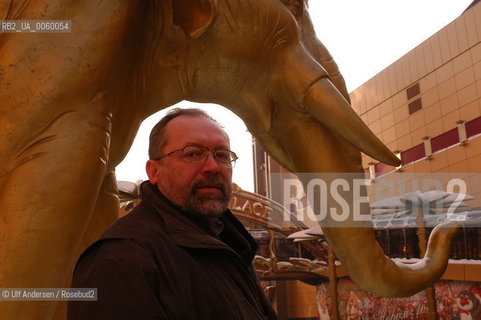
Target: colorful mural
[(456, 300), (324, 303)]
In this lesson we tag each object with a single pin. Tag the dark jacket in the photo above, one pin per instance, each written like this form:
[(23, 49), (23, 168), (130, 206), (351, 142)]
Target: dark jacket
[(155, 263)]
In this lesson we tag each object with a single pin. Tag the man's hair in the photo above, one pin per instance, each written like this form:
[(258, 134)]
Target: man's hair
[(158, 135)]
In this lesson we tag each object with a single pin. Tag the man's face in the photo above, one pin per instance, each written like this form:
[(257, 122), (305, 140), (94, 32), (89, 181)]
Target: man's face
[(203, 188)]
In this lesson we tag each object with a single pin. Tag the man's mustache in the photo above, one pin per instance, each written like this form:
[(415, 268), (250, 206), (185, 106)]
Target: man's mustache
[(214, 181)]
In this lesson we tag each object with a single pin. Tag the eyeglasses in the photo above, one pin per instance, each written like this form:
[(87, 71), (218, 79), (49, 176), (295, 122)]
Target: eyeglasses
[(198, 154)]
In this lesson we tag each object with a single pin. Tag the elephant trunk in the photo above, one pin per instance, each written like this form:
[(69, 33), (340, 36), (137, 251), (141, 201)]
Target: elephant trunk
[(311, 129), (352, 238), (366, 264)]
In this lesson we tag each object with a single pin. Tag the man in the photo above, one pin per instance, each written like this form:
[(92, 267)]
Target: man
[(180, 254)]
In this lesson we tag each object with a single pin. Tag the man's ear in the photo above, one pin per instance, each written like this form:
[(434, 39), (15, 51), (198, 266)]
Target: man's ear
[(152, 169), (194, 16)]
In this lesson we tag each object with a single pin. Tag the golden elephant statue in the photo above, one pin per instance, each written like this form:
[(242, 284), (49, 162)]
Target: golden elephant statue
[(71, 104)]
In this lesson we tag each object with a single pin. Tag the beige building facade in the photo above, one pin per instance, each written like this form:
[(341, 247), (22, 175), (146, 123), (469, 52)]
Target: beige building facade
[(426, 106)]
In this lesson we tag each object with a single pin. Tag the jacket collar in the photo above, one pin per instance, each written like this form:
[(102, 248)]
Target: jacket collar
[(186, 233)]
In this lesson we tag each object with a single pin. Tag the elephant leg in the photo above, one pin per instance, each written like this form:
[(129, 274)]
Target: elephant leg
[(49, 184), (105, 212)]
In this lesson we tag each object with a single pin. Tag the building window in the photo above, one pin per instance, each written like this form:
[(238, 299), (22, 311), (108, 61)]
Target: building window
[(414, 101), (415, 106), (473, 127), (413, 91), (382, 168), (445, 140), (413, 154)]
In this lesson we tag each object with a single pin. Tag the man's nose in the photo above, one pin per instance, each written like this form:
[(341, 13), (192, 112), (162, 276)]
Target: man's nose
[(210, 164)]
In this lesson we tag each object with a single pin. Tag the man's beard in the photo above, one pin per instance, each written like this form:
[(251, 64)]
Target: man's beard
[(189, 199)]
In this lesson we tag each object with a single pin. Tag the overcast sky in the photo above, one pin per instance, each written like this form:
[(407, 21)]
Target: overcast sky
[(364, 37)]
